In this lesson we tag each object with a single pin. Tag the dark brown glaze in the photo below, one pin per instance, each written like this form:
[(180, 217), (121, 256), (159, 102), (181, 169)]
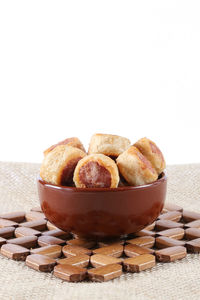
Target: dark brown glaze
[(102, 212), (68, 171), (93, 175)]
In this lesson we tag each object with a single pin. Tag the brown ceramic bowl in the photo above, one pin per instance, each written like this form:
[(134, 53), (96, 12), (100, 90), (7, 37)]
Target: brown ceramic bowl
[(102, 212)]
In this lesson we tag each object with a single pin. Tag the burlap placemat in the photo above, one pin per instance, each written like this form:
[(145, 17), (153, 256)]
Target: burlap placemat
[(178, 280)]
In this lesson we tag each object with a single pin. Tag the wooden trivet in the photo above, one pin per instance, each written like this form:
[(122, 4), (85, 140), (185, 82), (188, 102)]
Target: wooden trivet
[(30, 237)]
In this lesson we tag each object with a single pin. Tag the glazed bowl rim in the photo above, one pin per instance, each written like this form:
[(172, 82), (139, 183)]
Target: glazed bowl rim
[(163, 177)]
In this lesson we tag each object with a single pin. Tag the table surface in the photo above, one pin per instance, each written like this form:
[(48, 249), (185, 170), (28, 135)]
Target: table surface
[(177, 280)]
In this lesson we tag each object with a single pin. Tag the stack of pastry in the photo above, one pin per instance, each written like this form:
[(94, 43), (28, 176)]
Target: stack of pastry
[(111, 161)]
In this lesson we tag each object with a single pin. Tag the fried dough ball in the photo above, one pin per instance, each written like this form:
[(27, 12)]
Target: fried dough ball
[(74, 142), (59, 164), (151, 151), (108, 144), (135, 168)]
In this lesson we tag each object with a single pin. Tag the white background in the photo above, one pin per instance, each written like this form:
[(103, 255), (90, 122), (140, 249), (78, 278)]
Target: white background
[(73, 68)]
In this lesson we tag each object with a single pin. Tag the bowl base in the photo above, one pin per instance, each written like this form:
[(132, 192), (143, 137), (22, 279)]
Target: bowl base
[(105, 239)]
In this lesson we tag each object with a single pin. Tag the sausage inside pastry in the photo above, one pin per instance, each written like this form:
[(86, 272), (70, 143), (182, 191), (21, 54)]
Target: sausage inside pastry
[(108, 144), (74, 142), (136, 168), (151, 151), (96, 170), (59, 164)]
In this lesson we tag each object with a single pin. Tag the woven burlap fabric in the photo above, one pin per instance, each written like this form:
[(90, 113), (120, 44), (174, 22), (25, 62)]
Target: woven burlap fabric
[(178, 280)]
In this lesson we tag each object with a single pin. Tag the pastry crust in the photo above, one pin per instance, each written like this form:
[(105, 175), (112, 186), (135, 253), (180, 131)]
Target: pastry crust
[(74, 142), (135, 167), (96, 170), (59, 164), (108, 144), (151, 151)]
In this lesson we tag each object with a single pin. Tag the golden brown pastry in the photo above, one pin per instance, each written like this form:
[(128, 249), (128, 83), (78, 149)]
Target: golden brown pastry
[(96, 170), (151, 151), (136, 168), (59, 164), (74, 142), (108, 144)]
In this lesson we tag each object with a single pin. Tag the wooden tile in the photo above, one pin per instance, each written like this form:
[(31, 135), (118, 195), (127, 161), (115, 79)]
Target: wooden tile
[(172, 216), (52, 251), (164, 242), (151, 226), (105, 273), (145, 232), (131, 250), (192, 233), (58, 233), (115, 250), (82, 243), (139, 263), (167, 224), (25, 231), (174, 233), (34, 215), (69, 251), (98, 260), (81, 261), (14, 252), (25, 241), (51, 226), (37, 209), (40, 262), (7, 223), (50, 240), (110, 242), (18, 216), (70, 273), (172, 207), (7, 232), (193, 246), (189, 216), (2, 241), (40, 224), (193, 224), (164, 211), (144, 241), (104, 261), (171, 254)]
